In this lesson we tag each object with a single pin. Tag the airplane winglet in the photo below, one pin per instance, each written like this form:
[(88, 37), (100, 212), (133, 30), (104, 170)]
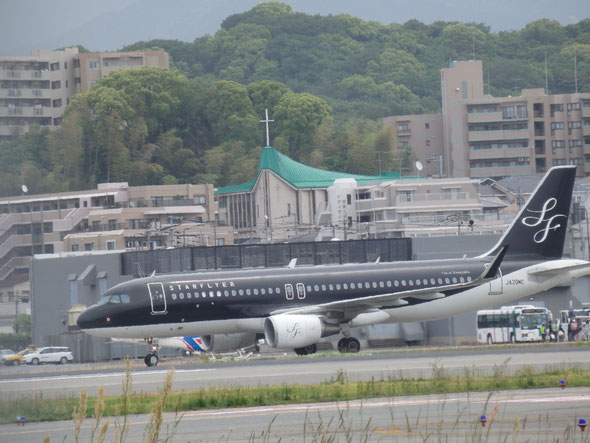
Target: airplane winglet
[(292, 263), (494, 265)]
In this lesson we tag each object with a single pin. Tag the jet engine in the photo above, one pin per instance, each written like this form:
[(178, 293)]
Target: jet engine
[(296, 331), (228, 342)]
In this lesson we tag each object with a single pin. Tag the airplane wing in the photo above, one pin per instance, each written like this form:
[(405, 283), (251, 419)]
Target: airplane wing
[(395, 299), (549, 269)]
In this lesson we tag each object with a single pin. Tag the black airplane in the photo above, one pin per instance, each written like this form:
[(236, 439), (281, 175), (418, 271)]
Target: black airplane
[(295, 307)]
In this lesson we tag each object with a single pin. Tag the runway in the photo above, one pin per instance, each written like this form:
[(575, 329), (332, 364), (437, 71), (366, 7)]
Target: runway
[(534, 415), (58, 380), (539, 415)]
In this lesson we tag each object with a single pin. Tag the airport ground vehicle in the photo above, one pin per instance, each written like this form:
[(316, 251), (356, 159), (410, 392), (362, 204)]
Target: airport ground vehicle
[(49, 355), (576, 322), (512, 324)]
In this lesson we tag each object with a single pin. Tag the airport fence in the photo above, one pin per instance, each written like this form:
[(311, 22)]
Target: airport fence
[(200, 258)]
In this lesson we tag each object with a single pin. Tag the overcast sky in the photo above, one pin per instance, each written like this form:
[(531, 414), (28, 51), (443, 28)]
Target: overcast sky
[(111, 24)]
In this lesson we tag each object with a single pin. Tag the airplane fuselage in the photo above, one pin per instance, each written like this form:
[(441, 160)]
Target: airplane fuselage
[(237, 301)]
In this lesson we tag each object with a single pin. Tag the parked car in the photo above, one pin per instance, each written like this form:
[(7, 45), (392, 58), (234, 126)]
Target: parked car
[(5, 352), (17, 359), (50, 354)]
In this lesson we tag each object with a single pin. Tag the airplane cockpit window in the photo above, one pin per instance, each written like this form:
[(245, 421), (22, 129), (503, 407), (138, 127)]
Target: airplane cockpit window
[(103, 299), (114, 298)]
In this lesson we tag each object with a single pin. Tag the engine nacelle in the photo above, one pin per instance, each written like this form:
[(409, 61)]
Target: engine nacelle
[(294, 331), (228, 342)]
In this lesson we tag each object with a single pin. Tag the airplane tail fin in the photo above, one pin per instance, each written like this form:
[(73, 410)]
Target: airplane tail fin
[(538, 231)]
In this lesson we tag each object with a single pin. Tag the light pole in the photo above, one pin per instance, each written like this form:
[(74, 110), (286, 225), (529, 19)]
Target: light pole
[(587, 229)]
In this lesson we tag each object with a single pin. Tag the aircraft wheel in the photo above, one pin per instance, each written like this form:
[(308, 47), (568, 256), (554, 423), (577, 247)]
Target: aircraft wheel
[(151, 360), (300, 351), (353, 345), (349, 345)]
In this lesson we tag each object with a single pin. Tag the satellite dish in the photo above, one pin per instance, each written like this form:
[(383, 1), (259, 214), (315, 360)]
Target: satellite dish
[(419, 165), (24, 188)]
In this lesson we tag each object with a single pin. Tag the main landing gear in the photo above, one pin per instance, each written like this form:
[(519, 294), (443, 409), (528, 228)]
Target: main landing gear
[(349, 345), (306, 350), (151, 359)]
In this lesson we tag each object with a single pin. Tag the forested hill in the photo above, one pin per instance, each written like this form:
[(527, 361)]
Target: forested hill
[(372, 70), (326, 80)]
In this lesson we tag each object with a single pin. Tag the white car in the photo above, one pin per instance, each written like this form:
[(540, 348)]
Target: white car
[(50, 354), (4, 352)]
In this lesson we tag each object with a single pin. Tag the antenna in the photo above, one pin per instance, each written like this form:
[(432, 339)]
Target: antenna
[(419, 166), (575, 70)]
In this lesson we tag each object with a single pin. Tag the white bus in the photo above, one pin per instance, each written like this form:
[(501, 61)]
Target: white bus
[(512, 324)]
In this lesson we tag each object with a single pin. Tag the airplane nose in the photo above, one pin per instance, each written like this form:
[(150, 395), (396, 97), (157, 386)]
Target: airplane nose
[(88, 319)]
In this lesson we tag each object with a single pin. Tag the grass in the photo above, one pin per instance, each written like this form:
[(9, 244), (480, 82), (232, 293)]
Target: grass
[(339, 388)]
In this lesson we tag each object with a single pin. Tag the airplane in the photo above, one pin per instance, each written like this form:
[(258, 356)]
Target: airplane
[(295, 307), (221, 343)]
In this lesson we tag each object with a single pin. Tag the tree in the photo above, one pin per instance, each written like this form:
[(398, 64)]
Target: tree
[(297, 117), (22, 324)]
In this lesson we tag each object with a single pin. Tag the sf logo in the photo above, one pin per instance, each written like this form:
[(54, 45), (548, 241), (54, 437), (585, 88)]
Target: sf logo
[(544, 220)]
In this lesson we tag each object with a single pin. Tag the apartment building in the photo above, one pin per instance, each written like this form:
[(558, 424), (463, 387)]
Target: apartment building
[(485, 136), (114, 216), (36, 89), (409, 208)]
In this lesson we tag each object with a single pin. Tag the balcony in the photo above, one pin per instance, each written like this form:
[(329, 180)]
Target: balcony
[(501, 171), (499, 153), (586, 112), (24, 92), (482, 117), (515, 134), (586, 130)]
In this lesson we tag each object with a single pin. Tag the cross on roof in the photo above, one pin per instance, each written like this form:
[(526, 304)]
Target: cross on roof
[(267, 121)]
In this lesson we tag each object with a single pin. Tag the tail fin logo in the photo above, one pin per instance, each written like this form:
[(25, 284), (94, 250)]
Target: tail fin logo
[(544, 220)]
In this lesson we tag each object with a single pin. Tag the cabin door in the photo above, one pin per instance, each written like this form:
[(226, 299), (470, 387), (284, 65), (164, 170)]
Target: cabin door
[(157, 298), (497, 284)]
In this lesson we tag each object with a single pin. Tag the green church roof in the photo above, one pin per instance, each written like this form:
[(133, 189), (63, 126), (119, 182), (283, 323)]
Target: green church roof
[(299, 175)]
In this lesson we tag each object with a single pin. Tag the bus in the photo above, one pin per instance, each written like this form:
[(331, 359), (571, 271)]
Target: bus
[(512, 324)]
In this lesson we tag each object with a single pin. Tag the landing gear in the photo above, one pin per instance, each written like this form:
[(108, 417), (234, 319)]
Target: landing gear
[(349, 345), (151, 359), (306, 350)]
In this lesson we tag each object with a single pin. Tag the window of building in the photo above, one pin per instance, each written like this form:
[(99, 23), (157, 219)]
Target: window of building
[(57, 103), (75, 247), (558, 161), (427, 142), (557, 125), (88, 246), (573, 106), (574, 143), (558, 143), (574, 125), (56, 84), (556, 107), (54, 66), (111, 244), (427, 125), (575, 161), (406, 196), (200, 199), (112, 224), (93, 64), (76, 63), (402, 127)]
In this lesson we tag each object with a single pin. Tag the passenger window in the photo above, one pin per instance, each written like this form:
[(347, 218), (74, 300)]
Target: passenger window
[(248, 292), (367, 285), (316, 288), (396, 283), (432, 281), (454, 279), (440, 281), (331, 287), (241, 292), (233, 292), (226, 293), (381, 284), (345, 286), (447, 281), (255, 291), (403, 283), (270, 291), (338, 286), (173, 296), (411, 282), (352, 286), (323, 287), (181, 295), (263, 291), (389, 283), (278, 291), (308, 288)]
